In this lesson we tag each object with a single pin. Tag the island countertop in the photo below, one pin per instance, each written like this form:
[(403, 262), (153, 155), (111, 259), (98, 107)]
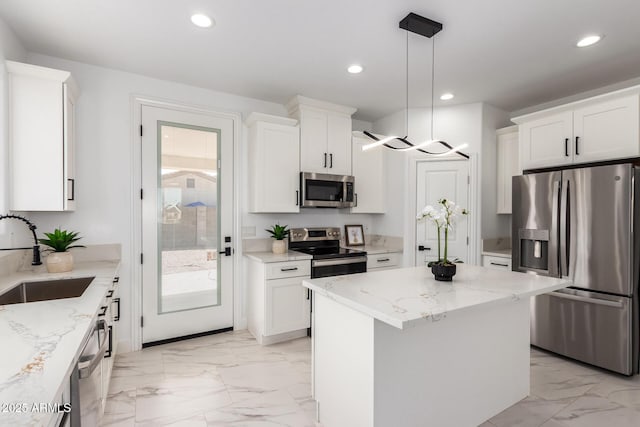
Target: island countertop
[(40, 340), (407, 296)]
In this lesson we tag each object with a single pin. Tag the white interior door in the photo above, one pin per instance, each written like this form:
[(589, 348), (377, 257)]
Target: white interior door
[(187, 211), (442, 180)]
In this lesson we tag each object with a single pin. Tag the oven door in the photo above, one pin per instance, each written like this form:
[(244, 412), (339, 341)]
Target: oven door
[(338, 266), (326, 190)]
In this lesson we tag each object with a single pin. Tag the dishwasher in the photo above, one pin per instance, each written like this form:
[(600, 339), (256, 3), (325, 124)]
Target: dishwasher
[(86, 380)]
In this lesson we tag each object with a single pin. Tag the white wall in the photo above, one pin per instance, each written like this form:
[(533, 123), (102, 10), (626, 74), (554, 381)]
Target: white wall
[(12, 233)]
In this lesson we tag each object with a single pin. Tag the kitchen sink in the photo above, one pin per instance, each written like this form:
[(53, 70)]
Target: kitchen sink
[(45, 290)]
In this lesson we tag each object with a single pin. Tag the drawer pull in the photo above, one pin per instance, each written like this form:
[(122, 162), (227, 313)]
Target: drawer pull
[(498, 264), (289, 269), (110, 293), (384, 260), (104, 311)]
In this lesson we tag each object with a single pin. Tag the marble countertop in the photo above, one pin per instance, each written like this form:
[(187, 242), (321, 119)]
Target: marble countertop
[(375, 249), (40, 340), (268, 257), (407, 296), (501, 253)]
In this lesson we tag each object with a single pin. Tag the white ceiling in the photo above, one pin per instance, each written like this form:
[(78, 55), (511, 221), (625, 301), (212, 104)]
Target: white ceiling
[(509, 53)]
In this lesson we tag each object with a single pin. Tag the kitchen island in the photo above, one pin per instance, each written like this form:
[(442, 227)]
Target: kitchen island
[(397, 348)]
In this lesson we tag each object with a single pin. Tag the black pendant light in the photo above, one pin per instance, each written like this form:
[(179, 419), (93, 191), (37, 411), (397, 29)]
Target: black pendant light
[(427, 28)]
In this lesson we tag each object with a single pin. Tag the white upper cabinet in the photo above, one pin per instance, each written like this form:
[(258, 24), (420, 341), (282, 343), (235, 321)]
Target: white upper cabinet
[(369, 172), (547, 141), (41, 138), (607, 130), (507, 151), (601, 128), (274, 168), (325, 135)]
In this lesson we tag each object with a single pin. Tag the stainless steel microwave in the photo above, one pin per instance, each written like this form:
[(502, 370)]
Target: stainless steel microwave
[(321, 190)]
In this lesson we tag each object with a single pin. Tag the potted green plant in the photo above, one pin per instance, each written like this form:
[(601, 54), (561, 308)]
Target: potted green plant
[(59, 242), (278, 232), (443, 217)]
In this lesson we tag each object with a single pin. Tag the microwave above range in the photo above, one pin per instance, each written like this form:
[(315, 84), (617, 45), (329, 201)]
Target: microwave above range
[(321, 190)]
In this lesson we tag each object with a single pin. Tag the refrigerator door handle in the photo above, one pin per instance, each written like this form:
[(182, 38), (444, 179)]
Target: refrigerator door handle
[(553, 238), (597, 301), (564, 224)]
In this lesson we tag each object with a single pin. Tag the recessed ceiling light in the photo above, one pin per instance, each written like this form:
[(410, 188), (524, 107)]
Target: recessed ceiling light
[(355, 69), (202, 21), (446, 96), (588, 41)]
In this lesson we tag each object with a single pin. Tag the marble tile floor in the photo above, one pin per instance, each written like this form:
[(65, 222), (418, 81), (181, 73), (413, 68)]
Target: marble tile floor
[(230, 380)]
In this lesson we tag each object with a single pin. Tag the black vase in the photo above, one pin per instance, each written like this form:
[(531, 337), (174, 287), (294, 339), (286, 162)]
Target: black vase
[(443, 273)]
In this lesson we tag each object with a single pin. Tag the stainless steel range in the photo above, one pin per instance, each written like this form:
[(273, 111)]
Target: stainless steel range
[(329, 259)]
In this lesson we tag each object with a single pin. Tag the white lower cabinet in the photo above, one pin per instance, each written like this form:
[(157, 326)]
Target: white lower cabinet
[(384, 261), (499, 263), (287, 306), (279, 306)]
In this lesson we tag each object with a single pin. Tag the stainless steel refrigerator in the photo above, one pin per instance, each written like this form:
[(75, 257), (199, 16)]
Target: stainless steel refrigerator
[(582, 224)]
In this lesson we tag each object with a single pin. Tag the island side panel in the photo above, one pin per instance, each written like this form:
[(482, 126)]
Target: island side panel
[(342, 364), (457, 371)]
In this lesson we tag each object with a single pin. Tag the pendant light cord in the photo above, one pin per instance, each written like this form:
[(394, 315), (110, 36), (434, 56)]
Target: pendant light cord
[(433, 78), (406, 126)]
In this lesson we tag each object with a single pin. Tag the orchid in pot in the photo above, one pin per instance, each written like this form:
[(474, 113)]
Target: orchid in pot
[(444, 217)]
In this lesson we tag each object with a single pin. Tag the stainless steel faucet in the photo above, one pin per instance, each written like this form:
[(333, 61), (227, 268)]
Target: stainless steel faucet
[(32, 227)]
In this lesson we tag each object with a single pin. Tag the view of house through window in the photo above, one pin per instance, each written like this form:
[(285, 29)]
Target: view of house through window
[(188, 217)]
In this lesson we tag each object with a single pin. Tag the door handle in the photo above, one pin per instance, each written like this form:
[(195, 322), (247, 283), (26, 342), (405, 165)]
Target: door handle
[(73, 189), (356, 205), (88, 364), (297, 197), (577, 146), (331, 160), (325, 160), (588, 300), (226, 252), (104, 311), (422, 248), (564, 230), (107, 353), (116, 318), (498, 264), (566, 147)]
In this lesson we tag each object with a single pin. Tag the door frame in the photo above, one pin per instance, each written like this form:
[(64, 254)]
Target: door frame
[(137, 102), (412, 209)]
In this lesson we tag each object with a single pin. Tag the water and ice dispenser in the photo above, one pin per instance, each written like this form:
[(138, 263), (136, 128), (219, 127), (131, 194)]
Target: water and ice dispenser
[(534, 250)]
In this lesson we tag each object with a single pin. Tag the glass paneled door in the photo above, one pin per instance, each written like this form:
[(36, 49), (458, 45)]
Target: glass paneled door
[(187, 212)]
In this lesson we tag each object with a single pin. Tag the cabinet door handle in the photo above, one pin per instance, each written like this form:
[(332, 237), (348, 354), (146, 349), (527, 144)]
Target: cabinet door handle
[(498, 264), (331, 160), (110, 293), (297, 197), (116, 318), (384, 260), (577, 146), (356, 199), (109, 351), (325, 160), (73, 189), (566, 147), (116, 279), (104, 311), (308, 290), (289, 269)]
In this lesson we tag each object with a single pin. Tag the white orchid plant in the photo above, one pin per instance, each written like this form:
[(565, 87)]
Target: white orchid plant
[(443, 216)]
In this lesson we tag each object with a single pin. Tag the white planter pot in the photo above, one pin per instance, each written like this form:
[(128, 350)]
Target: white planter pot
[(279, 247), (59, 262)]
